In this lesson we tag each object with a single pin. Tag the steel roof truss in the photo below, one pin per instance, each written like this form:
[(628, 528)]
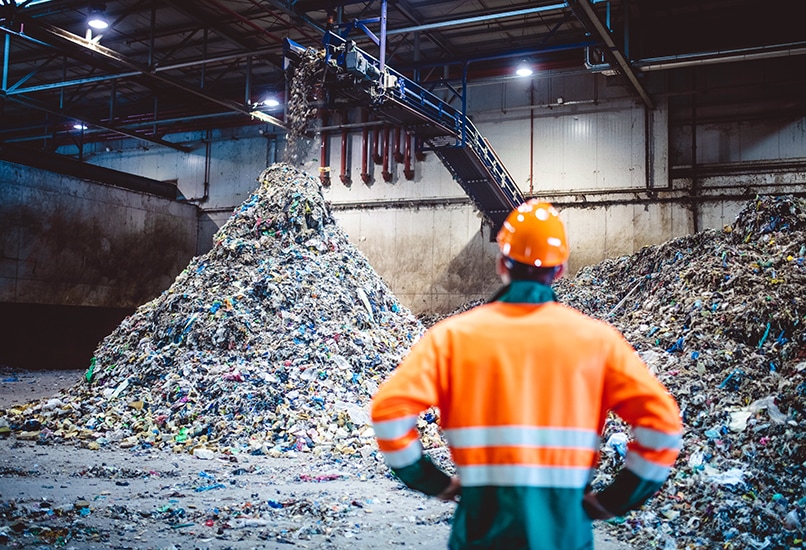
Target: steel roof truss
[(106, 53), (586, 13)]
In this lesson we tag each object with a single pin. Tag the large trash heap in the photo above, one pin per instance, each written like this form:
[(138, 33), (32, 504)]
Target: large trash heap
[(272, 342), (720, 317)]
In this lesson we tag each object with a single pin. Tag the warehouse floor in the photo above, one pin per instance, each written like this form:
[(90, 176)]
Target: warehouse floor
[(80, 498)]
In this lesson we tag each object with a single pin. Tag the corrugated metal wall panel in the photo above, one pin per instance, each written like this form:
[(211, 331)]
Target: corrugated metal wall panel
[(745, 141), (510, 140), (604, 150)]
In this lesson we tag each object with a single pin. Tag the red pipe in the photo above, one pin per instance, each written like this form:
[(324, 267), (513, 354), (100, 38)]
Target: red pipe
[(387, 175), (407, 169), (365, 175), (396, 152), (324, 169), (344, 176)]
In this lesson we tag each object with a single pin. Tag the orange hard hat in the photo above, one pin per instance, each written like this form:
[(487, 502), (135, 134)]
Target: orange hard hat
[(534, 234)]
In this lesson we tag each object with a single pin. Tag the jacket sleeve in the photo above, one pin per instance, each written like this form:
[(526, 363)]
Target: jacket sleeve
[(412, 388), (634, 394)]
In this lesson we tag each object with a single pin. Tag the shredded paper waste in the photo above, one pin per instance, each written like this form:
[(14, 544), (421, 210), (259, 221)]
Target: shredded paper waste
[(273, 342), (720, 318)]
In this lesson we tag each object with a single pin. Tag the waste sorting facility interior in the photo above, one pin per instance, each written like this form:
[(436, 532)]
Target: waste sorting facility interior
[(123, 151)]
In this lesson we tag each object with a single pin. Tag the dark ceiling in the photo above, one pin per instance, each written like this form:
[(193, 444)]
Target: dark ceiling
[(179, 65)]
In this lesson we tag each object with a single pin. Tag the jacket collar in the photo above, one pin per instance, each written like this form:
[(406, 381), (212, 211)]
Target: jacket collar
[(524, 292)]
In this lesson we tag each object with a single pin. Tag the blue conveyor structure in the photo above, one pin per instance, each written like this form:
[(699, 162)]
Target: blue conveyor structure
[(352, 74)]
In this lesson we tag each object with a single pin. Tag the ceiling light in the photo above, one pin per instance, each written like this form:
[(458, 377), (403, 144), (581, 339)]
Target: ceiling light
[(524, 69), (271, 102), (97, 19), (79, 126), (97, 22)]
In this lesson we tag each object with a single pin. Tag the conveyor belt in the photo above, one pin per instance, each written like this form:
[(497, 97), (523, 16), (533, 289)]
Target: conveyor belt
[(444, 129)]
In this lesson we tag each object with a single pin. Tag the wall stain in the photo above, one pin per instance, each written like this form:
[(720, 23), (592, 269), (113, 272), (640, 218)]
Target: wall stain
[(471, 271), (468, 276), (87, 262)]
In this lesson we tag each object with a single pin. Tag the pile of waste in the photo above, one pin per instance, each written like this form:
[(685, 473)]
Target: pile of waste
[(720, 317), (272, 342)]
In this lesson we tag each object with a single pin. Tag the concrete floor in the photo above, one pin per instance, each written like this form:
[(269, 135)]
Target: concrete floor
[(22, 387)]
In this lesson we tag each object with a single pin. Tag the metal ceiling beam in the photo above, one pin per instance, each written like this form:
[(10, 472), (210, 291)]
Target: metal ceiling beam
[(192, 10), (108, 54), (13, 90), (130, 126), (294, 14), (478, 19), (585, 12), (273, 13), (27, 77), (247, 22), (213, 21), (435, 38), (78, 54), (724, 56), (40, 107)]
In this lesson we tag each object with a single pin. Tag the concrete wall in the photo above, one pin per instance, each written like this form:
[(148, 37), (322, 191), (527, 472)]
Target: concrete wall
[(64, 241), (218, 174), (76, 257), (439, 255)]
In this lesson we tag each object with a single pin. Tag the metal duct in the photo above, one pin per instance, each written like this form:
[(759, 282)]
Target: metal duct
[(705, 58)]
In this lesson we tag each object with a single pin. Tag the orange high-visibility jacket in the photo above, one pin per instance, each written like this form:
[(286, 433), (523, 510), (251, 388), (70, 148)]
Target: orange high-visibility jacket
[(523, 391)]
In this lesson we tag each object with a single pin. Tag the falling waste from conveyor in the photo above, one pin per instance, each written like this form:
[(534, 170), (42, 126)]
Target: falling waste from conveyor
[(302, 119)]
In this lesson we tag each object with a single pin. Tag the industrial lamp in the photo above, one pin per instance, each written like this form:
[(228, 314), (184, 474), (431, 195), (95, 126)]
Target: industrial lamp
[(524, 69), (97, 19)]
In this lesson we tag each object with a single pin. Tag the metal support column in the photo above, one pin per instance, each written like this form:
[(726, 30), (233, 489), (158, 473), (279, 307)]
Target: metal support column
[(383, 38), (464, 103), (5, 62)]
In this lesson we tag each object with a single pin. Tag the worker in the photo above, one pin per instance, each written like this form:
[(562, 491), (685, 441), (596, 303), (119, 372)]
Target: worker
[(523, 386)]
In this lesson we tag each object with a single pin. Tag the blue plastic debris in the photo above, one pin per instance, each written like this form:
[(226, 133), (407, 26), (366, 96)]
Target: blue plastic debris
[(677, 346), (209, 487), (764, 337), (733, 381)]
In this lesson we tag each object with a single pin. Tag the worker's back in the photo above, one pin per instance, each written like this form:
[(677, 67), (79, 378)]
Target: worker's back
[(523, 391), (521, 407), (524, 365)]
